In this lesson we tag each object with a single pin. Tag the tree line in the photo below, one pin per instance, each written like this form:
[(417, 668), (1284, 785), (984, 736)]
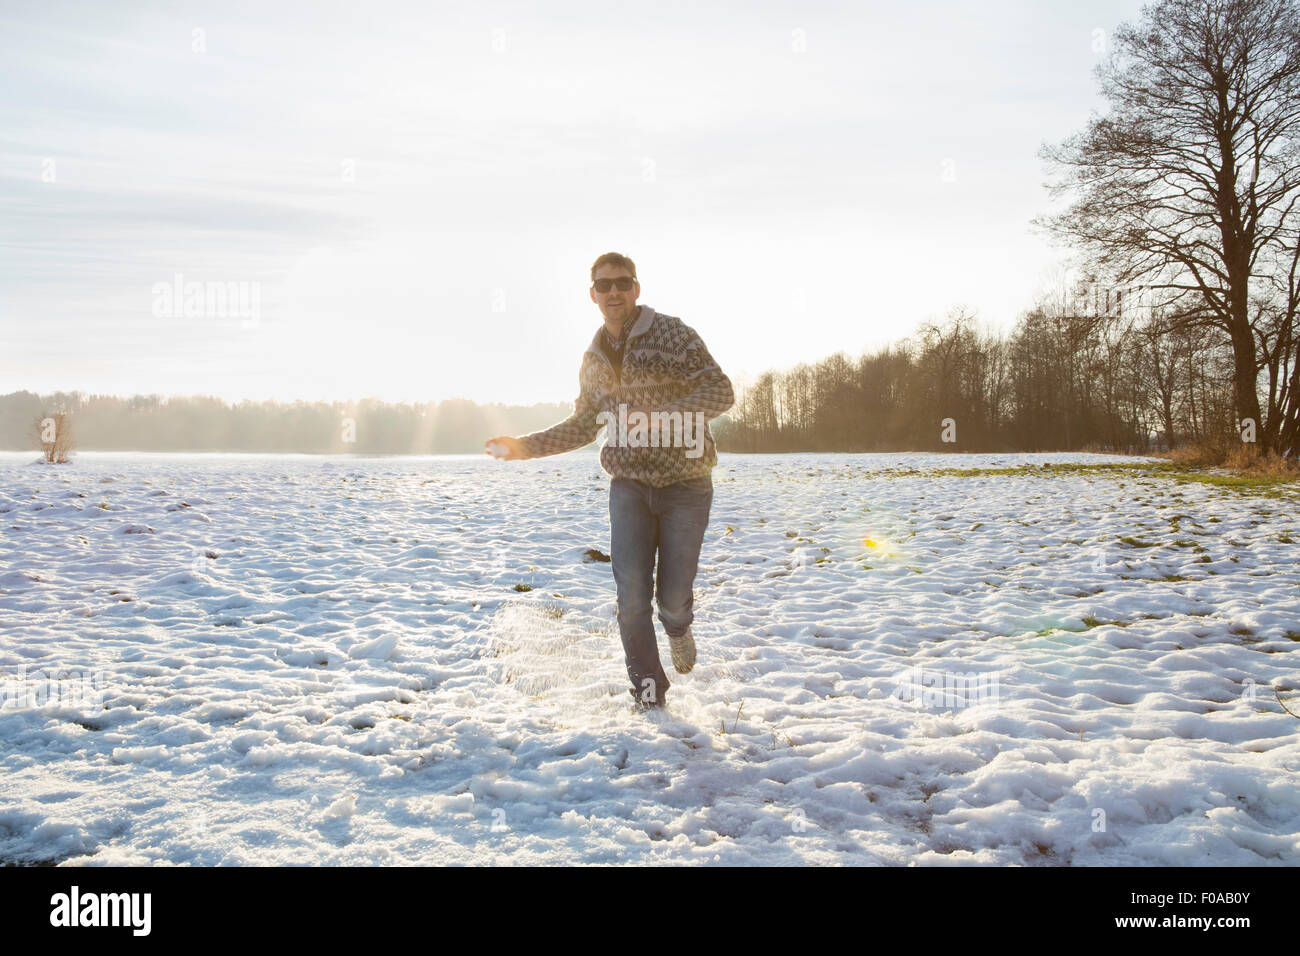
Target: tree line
[(1061, 379), (207, 424)]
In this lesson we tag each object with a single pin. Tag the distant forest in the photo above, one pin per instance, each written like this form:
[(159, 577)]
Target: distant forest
[(1067, 377), (159, 423), (1073, 374)]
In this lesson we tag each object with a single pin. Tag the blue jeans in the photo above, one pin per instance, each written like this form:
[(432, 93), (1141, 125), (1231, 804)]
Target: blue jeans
[(643, 519)]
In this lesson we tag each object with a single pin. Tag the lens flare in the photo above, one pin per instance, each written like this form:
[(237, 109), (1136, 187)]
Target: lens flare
[(880, 546)]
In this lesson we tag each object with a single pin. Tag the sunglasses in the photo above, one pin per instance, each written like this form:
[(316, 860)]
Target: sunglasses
[(624, 284)]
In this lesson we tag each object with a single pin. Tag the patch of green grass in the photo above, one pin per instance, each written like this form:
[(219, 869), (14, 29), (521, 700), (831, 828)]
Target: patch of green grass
[(1268, 487), (1044, 632), (1272, 487), (1091, 622), (974, 472)]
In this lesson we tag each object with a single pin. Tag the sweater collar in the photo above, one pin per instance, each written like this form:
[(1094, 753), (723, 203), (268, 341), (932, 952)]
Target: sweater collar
[(644, 317)]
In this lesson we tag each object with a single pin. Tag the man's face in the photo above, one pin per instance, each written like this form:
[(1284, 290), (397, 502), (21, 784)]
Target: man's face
[(616, 305)]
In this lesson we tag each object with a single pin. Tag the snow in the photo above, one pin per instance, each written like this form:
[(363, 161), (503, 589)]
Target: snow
[(291, 659)]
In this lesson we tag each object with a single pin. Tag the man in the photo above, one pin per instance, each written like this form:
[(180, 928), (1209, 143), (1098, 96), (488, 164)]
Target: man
[(649, 378)]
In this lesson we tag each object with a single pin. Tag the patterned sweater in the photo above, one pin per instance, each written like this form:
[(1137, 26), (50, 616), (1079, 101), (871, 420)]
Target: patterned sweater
[(666, 368)]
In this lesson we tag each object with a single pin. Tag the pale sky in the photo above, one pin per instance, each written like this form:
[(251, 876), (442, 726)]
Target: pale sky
[(415, 191)]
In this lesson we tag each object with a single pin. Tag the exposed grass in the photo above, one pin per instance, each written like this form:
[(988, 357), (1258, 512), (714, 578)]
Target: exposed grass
[(1090, 622), (1063, 468), (1272, 487), (1281, 483)]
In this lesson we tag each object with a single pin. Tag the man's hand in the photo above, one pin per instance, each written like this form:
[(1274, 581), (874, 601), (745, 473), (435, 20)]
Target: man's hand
[(513, 450)]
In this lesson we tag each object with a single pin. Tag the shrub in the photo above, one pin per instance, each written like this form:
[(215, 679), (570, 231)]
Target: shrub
[(53, 436), (1240, 457)]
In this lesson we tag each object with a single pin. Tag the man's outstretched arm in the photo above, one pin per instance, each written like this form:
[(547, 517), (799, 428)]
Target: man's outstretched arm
[(580, 428)]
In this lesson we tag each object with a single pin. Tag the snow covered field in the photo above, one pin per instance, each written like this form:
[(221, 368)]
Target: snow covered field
[(327, 660)]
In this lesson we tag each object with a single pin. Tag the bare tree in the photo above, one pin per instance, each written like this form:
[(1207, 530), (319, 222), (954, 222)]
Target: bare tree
[(53, 436), (1189, 187), (1160, 354)]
